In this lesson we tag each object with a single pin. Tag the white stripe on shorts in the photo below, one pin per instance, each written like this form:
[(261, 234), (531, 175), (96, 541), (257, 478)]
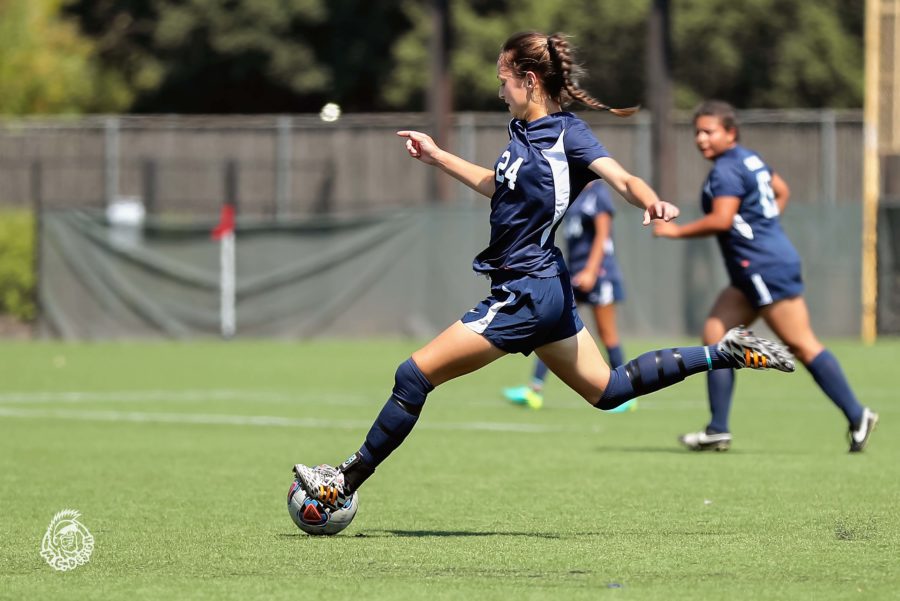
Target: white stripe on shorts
[(607, 293), (765, 298), (482, 324)]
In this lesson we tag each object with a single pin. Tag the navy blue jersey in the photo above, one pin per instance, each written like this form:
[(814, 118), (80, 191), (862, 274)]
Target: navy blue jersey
[(580, 229), (544, 166), (755, 239)]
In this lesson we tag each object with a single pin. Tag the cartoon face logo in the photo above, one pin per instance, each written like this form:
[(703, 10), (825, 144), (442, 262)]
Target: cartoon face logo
[(67, 543)]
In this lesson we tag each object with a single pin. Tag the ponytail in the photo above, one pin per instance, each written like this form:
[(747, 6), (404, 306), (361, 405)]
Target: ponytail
[(561, 57)]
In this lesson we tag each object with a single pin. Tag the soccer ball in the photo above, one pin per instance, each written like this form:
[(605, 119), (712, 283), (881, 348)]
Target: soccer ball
[(313, 517)]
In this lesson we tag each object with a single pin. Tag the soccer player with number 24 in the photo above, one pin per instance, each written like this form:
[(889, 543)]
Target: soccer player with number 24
[(551, 156)]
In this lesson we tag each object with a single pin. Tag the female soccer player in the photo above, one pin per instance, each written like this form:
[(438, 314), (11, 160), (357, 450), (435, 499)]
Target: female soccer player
[(742, 198), (596, 281), (551, 156)]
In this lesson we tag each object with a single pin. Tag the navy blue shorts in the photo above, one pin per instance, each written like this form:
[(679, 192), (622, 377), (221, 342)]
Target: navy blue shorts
[(605, 292), (765, 285), (524, 313)]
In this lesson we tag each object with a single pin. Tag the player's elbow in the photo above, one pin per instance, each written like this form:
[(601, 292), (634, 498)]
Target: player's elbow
[(720, 225)]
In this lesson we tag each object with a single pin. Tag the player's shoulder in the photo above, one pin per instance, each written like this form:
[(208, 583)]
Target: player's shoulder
[(572, 122), (556, 123), (741, 159)]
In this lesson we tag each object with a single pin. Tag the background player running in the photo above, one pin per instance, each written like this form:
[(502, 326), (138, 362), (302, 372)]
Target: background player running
[(596, 281), (742, 198)]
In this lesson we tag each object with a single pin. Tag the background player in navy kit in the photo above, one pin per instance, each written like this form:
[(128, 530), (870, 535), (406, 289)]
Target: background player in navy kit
[(596, 281), (551, 156), (742, 198)]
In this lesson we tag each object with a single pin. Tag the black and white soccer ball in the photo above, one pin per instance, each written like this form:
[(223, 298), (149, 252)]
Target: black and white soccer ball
[(313, 517)]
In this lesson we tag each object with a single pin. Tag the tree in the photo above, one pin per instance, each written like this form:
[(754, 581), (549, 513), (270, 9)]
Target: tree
[(769, 53), (295, 55), (610, 43), (250, 56), (755, 53), (46, 66)]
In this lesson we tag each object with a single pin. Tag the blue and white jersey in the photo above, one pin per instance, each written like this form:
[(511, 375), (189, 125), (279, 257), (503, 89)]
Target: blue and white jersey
[(755, 239), (544, 166), (580, 229)]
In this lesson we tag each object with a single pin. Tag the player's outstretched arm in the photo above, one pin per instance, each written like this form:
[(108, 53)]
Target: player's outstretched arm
[(717, 221), (634, 190), (420, 146)]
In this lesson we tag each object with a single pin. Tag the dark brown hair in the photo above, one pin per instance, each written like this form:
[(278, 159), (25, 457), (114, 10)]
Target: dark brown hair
[(721, 109), (552, 59)]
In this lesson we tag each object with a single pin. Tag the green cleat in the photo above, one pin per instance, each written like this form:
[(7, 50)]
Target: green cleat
[(524, 395)]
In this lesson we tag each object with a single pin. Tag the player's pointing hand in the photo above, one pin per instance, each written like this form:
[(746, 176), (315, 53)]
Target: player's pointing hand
[(661, 210), (420, 146)]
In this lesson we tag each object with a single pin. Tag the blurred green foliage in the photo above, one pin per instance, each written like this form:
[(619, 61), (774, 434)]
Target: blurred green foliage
[(253, 56), (229, 56), (17, 278), (769, 53), (48, 66), (754, 53)]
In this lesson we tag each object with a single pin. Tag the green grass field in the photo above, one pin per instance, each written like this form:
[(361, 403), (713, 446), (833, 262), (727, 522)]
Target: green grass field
[(178, 457)]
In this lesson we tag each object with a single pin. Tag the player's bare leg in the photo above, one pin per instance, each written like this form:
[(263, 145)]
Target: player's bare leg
[(731, 309), (607, 329), (578, 363), (455, 352), (789, 319)]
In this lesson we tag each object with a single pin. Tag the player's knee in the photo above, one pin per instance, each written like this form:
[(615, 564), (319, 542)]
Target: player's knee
[(713, 333), (411, 386), (618, 391)]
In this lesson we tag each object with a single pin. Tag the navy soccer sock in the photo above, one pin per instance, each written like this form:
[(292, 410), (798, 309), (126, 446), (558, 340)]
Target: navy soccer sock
[(658, 369), (720, 387), (616, 357), (827, 373), (540, 374), (393, 424)]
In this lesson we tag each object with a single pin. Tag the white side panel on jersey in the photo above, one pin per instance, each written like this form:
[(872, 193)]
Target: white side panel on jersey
[(482, 324), (559, 166), (742, 227)]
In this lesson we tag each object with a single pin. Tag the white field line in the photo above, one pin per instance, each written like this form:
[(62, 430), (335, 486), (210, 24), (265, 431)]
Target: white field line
[(272, 421), (176, 396), (263, 396), (250, 396)]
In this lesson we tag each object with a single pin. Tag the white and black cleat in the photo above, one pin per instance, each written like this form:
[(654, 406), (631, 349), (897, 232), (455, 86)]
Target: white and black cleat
[(747, 350), (323, 483), (859, 436), (701, 441)]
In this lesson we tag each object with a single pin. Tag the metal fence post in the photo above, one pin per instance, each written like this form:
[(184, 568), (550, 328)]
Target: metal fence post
[(148, 185), (466, 148), (111, 159), (37, 257), (283, 160), (643, 148), (829, 156), (231, 182)]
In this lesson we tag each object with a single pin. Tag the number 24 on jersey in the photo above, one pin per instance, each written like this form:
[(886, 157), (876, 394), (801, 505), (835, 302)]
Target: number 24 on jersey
[(506, 172)]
